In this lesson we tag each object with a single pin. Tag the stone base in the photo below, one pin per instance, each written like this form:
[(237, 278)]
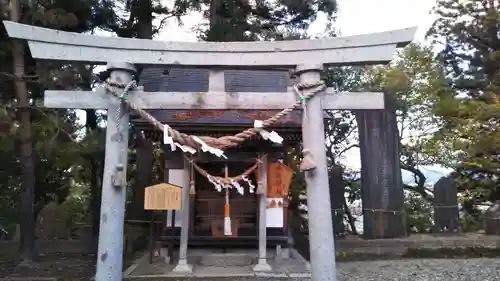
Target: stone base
[(282, 253), (262, 266), (285, 253), (183, 267), (227, 259), (164, 255)]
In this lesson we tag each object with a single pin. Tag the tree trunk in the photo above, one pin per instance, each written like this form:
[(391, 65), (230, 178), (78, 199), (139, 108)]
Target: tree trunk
[(27, 223), (381, 182), (144, 152), (337, 198), (144, 162), (95, 174), (213, 12), (350, 218), (214, 5), (145, 19)]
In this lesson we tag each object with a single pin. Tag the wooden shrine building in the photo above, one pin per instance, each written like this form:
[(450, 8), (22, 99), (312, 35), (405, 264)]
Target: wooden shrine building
[(206, 203)]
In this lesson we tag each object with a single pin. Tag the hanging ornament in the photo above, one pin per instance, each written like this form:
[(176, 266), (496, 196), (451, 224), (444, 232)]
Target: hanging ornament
[(238, 187), (213, 181), (271, 136), (251, 187), (168, 139), (186, 148), (206, 148)]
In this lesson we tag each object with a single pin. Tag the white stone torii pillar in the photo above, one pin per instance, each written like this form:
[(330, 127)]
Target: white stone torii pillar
[(307, 57)]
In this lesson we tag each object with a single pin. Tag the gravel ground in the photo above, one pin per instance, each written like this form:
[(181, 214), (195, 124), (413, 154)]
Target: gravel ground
[(421, 270), (390, 270)]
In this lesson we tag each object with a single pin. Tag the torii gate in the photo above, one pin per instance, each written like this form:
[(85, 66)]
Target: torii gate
[(306, 57)]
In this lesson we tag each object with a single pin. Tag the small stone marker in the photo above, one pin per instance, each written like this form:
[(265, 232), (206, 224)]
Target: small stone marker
[(52, 223), (492, 219), (446, 212)]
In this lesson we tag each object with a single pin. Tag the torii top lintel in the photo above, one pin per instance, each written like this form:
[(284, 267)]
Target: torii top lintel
[(351, 50)]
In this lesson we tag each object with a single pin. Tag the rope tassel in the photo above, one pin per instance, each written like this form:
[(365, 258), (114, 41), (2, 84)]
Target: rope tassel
[(227, 218), (227, 226), (307, 163), (227, 208)]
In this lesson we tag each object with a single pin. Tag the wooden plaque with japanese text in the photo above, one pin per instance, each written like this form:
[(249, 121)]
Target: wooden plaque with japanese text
[(163, 196), (279, 178)]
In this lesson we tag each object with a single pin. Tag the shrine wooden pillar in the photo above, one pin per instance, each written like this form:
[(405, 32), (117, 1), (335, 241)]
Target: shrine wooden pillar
[(172, 218), (337, 198), (170, 162), (179, 174), (262, 264)]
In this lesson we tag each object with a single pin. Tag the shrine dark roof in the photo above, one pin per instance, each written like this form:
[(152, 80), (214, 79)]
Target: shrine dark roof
[(196, 80), (165, 79)]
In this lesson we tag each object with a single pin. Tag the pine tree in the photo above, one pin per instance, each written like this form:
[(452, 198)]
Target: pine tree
[(471, 53), (245, 20)]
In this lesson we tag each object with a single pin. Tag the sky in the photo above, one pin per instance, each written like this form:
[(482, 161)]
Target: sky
[(354, 17)]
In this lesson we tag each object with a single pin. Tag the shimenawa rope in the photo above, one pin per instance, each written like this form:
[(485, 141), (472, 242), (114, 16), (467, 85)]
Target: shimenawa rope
[(221, 142), (229, 180)]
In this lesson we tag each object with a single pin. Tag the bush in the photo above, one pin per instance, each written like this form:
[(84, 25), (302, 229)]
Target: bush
[(470, 223), (419, 213), (77, 208)]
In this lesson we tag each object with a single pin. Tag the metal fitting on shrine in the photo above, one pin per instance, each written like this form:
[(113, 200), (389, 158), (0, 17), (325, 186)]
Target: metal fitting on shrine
[(307, 163), (116, 70), (119, 179), (260, 188)]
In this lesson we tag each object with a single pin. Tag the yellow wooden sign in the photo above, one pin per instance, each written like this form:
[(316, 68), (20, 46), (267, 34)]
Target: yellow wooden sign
[(163, 196)]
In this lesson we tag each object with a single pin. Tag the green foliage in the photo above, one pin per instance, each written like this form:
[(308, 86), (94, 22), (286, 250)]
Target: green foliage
[(419, 213), (261, 20), (341, 124), (415, 79), (471, 223), (56, 153), (447, 106), (77, 204), (471, 55)]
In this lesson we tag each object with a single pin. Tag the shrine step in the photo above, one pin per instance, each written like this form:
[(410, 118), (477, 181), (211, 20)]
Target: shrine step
[(240, 278), (227, 259)]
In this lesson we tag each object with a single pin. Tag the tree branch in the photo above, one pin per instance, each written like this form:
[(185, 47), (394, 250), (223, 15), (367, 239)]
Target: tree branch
[(348, 148)]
